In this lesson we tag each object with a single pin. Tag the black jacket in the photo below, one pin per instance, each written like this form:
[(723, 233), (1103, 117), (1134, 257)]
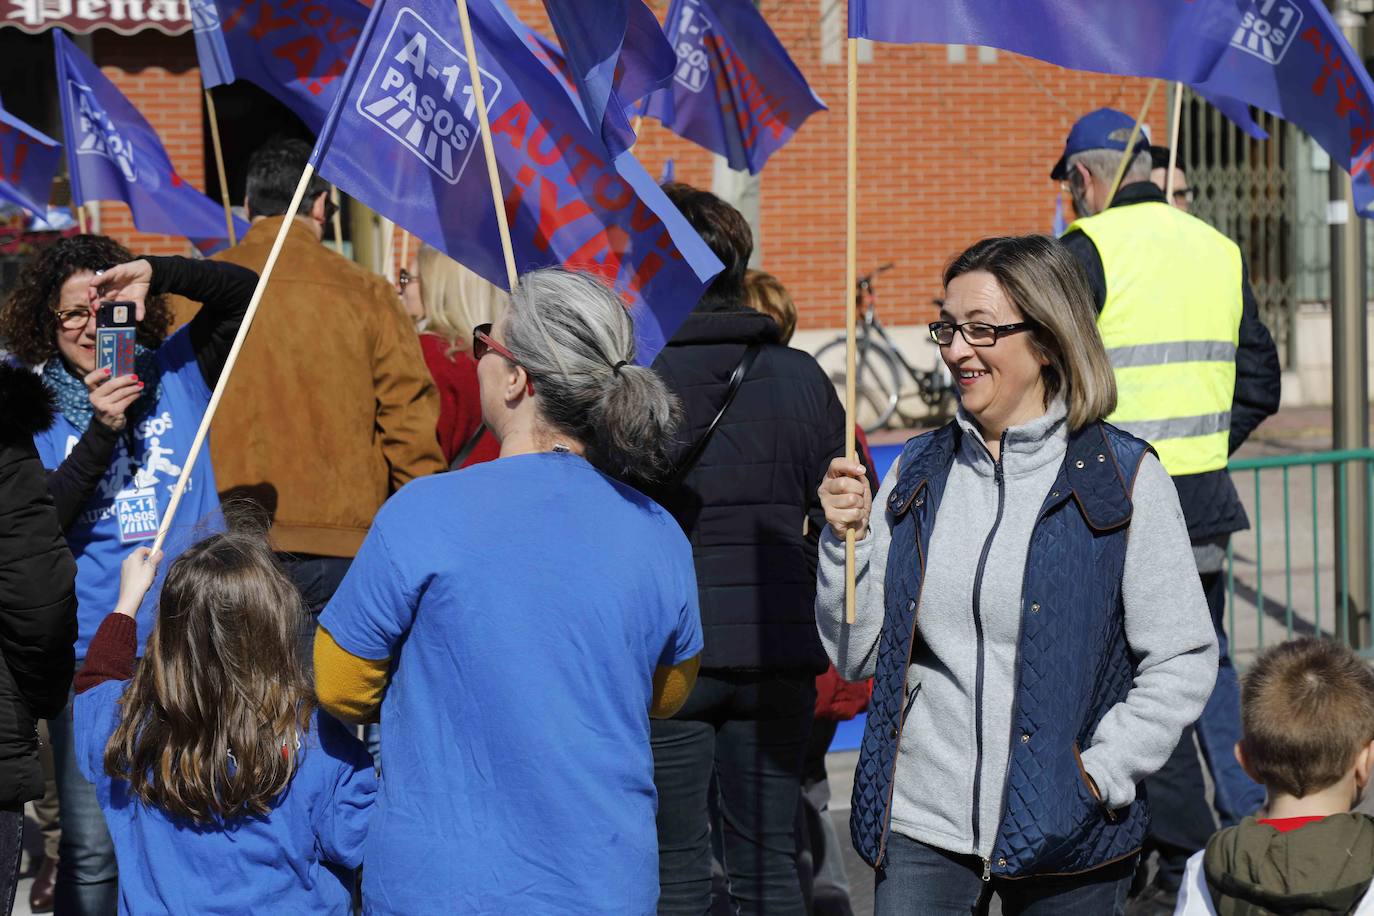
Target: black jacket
[(37, 589), (749, 506), (1210, 504)]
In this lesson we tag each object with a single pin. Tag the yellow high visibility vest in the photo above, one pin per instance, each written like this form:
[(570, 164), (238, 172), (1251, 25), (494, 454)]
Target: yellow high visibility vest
[(1171, 325)]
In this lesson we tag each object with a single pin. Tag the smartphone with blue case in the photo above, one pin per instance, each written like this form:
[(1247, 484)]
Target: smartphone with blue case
[(115, 337)]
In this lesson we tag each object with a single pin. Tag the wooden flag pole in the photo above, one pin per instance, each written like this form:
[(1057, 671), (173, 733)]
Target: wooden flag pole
[(219, 165), (1126, 156), (493, 174), (1173, 144), (81, 218), (228, 370), (389, 250), (405, 250), (851, 282), (338, 218)]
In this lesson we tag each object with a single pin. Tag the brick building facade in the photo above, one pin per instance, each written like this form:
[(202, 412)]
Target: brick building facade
[(956, 144)]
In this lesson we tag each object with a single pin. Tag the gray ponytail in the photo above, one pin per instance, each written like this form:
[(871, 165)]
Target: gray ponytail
[(576, 339)]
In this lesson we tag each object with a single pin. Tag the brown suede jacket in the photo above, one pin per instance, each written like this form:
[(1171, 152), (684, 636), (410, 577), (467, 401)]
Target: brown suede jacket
[(330, 408)]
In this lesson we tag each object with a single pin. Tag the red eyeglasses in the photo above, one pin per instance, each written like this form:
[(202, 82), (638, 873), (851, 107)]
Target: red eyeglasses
[(483, 343)]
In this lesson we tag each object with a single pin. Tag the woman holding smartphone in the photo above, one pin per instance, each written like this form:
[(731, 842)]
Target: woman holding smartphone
[(114, 454)]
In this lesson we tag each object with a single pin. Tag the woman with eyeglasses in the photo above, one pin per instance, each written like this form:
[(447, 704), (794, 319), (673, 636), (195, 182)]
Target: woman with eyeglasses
[(517, 624), (114, 453), (1035, 651), (446, 301)]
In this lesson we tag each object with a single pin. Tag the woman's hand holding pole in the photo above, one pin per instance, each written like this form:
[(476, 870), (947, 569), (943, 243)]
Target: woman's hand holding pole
[(846, 498)]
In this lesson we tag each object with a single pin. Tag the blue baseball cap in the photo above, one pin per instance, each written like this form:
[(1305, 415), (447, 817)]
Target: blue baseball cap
[(1105, 128)]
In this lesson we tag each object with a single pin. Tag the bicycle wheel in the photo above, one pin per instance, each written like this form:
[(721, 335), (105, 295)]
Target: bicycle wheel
[(877, 384)]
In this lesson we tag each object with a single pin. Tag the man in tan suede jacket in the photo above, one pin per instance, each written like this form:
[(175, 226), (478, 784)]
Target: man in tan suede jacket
[(330, 408)]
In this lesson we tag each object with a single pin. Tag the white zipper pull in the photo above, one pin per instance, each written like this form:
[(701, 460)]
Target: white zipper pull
[(987, 870)]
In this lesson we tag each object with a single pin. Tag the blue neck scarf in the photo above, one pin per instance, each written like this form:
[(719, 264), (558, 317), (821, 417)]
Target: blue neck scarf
[(75, 401)]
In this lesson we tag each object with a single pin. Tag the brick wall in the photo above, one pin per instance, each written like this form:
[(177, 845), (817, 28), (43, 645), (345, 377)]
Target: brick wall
[(159, 75), (950, 153)]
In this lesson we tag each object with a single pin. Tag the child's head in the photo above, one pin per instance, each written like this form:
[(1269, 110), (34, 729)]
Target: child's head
[(1307, 716), (209, 724)]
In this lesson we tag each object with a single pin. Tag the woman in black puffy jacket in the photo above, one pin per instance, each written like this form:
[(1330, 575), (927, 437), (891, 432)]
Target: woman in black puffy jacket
[(37, 609)]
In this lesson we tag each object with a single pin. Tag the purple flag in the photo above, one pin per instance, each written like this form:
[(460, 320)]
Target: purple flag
[(735, 91), (403, 139), (616, 54), (28, 162), (296, 50), (215, 66), (1284, 56), (114, 154)]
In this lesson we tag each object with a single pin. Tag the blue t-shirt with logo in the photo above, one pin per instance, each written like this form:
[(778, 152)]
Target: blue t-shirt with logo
[(126, 508), (295, 859), (525, 604)]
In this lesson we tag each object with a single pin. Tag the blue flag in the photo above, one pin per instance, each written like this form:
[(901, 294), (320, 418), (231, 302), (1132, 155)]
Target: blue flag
[(114, 154), (616, 54), (735, 91), (294, 51), (403, 138), (1284, 56), (28, 162), (215, 67)]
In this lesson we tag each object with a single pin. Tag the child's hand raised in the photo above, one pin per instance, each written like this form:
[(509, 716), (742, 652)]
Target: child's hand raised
[(135, 578)]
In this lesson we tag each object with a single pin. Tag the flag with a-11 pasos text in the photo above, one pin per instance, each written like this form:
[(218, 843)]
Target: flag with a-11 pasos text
[(736, 91), (113, 153), (403, 138)]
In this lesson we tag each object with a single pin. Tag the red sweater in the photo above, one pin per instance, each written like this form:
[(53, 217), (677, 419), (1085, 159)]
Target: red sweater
[(460, 400)]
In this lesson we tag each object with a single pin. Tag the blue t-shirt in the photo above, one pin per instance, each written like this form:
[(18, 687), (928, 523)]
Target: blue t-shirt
[(293, 860), (525, 603), (126, 508)]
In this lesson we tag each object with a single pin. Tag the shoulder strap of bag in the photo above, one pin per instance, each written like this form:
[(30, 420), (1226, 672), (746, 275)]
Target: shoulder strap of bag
[(467, 448), (736, 379)]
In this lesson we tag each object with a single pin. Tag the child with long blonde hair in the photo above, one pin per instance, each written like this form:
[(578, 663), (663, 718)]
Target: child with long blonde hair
[(225, 789)]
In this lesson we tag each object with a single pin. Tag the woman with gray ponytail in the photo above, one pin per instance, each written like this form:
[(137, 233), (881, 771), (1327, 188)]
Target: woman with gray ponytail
[(516, 624)]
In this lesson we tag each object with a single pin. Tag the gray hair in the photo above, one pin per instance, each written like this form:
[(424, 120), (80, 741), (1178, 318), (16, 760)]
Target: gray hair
[(576, 339), (1103, 163)]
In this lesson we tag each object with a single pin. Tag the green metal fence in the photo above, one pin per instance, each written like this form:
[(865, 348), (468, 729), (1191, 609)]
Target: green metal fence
[(1309, 487)]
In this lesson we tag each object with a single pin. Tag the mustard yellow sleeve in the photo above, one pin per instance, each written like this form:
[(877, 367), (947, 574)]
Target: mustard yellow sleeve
[(348, 687), (672, 686)]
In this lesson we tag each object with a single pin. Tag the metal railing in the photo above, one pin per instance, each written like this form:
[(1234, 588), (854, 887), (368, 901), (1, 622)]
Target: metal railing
[(1324, 606)]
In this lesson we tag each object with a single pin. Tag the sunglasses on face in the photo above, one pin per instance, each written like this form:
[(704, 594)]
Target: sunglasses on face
[(975, 333), (483, 343), (330, 208)]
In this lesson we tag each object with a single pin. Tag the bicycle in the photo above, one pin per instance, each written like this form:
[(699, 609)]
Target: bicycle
[(879, 364)]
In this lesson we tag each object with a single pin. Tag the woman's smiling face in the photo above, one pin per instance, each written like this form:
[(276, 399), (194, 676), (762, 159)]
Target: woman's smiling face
[(999, 385)]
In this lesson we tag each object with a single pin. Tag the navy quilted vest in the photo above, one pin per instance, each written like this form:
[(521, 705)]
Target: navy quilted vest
[(1074, 662)]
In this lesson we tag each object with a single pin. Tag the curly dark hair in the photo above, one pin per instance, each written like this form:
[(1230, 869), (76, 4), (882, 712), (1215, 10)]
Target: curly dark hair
[(28, 318)]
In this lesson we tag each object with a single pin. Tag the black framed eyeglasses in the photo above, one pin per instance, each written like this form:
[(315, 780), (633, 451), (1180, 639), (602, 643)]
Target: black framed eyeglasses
[(330, 208), (74, 319), (403, 279), (976, 333), (1184, 196)]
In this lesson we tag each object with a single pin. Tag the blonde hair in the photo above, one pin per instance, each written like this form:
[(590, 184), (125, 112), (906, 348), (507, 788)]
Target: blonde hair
[(1044, 281), (456, 299), (764, 293)]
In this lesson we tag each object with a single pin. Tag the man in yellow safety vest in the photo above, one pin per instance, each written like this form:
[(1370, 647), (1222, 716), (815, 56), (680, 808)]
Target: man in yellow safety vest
[(1196, 372)]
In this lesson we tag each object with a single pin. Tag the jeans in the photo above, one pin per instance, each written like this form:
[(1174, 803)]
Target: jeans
[(1237, 796), (750, 730), (87, 877), (1181, 821), (11, 845), (820, 854), (920, 880), (316, 578)]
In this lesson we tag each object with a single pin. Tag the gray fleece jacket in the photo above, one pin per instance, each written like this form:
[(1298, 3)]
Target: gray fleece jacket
[(1167, 625)]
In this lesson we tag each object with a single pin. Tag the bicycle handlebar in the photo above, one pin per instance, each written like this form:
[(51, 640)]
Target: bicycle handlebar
[(867, 280)]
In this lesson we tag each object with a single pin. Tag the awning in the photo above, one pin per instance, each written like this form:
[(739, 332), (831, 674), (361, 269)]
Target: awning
[(171, 17)]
